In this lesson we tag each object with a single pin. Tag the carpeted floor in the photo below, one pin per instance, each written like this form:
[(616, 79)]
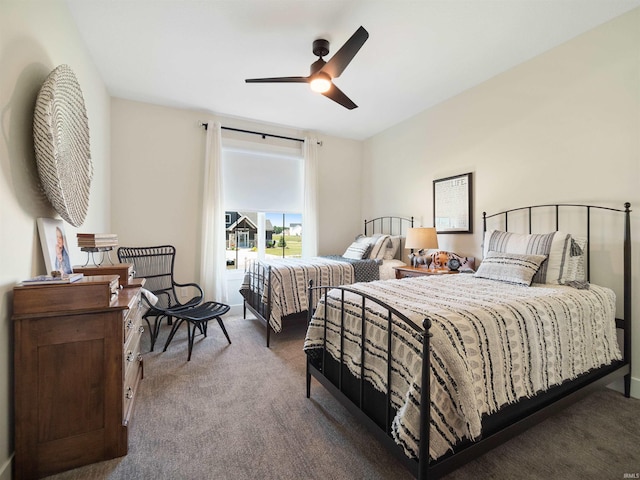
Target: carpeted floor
[(239, 411)]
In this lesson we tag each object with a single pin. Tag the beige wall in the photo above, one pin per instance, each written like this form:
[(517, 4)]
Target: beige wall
[(563, 127), (158, 155), (34, 39)]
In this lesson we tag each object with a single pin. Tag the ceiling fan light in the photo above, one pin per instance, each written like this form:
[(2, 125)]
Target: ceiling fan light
[(320, 84)]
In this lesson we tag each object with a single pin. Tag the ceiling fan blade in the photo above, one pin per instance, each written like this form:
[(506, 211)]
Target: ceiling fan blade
[(278, 80), (335, 94), (342, 57)]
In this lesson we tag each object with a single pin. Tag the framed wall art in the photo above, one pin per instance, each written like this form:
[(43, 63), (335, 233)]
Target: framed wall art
[(452, 204)]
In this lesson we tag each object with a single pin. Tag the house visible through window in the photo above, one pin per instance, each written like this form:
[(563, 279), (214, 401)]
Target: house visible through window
[(258, 187), (281, 236)]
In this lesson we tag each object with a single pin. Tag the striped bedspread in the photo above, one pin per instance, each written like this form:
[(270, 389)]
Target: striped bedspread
[(493, 343), (290, 279)]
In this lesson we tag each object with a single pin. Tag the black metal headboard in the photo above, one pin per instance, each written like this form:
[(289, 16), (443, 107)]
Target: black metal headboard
[(390, 226), (586, 209), (394, 225)]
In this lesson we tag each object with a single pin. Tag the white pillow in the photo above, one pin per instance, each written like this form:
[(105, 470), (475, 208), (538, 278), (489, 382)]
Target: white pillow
[(378, 249), (392, 247), (510, 267), (555, 245), (357, 250)]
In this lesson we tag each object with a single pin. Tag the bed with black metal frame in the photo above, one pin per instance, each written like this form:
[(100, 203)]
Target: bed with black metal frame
[(375, 409), (257, 286)]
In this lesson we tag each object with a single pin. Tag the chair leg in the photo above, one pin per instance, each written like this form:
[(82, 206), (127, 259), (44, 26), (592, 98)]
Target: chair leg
[(191, 333), (224, 330), (152, 340), (176, 324), (192, 325), (156, 330), (202, 326)]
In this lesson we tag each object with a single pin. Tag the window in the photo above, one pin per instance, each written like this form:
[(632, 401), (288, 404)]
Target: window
[(263, 197), (263, 235)]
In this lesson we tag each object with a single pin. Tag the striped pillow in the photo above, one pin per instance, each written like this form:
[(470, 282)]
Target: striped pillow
[(510, 267), (357, 250), (379, 247), (576, 270), (556, 246)]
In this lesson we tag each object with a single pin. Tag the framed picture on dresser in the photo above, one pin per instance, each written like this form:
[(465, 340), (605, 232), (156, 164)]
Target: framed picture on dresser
[(54, 245), (453, 204)]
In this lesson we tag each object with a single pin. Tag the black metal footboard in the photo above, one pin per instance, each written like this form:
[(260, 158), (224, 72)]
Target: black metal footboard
[(355, 395), (256, 288), (375, 410)]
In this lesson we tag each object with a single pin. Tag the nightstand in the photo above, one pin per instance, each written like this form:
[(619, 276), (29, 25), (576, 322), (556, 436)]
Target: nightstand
[(408, 271)]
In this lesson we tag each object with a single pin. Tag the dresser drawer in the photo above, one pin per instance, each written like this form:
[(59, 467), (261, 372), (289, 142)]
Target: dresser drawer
[(133, 319), (133, 368), (130, 391), (132, 364)]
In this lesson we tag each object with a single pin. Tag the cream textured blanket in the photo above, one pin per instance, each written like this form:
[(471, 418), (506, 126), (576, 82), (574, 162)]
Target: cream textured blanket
[(290, 280), (493, 344)]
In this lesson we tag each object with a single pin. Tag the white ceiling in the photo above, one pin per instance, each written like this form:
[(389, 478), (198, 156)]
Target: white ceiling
[(196, 53)]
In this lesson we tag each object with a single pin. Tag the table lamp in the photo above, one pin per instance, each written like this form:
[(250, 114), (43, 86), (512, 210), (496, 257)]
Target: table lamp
[(421, 238)]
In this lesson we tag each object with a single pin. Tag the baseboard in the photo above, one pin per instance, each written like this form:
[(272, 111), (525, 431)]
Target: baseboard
[(635, 387), (6, 469), (618, 386)]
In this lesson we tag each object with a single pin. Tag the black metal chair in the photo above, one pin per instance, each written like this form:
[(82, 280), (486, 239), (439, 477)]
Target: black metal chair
[(156, 265)]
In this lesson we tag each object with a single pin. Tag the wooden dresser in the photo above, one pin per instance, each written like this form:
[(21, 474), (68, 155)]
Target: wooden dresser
[(77, 368)]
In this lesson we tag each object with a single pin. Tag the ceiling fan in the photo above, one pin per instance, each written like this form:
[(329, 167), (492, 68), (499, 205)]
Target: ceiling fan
[(322, 73)]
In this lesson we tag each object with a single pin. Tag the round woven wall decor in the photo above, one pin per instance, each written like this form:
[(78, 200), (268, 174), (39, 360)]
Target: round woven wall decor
[(61, 138)]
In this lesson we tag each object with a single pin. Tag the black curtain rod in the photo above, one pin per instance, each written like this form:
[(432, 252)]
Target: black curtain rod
[(263, 135)]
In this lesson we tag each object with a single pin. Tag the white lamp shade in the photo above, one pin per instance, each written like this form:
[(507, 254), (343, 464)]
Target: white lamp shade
[(422, 238)]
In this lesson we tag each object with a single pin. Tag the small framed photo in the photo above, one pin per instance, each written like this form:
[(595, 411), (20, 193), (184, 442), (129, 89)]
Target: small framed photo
[(54, 245), (452, 204)]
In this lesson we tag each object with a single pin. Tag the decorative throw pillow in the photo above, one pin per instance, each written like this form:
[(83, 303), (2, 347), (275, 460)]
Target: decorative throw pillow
[(576, 265), (392, 247), (357, 250), (361, 238), (554, 245), (378, 249), (510, 267)]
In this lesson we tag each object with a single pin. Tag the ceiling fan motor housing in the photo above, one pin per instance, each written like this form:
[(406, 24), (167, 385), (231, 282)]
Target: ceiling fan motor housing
[(320, 47)]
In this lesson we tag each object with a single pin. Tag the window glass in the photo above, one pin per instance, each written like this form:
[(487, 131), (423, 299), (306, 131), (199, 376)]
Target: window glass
[(251, 235)]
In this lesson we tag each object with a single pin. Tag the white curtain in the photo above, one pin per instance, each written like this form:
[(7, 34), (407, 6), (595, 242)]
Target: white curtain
[(213, 265), (310, 208)]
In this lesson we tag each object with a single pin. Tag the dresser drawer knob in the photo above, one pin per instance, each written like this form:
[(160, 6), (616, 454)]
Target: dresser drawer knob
[(129, 324), (141, 330), (129, 394), (139, 357), (130, 356)]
